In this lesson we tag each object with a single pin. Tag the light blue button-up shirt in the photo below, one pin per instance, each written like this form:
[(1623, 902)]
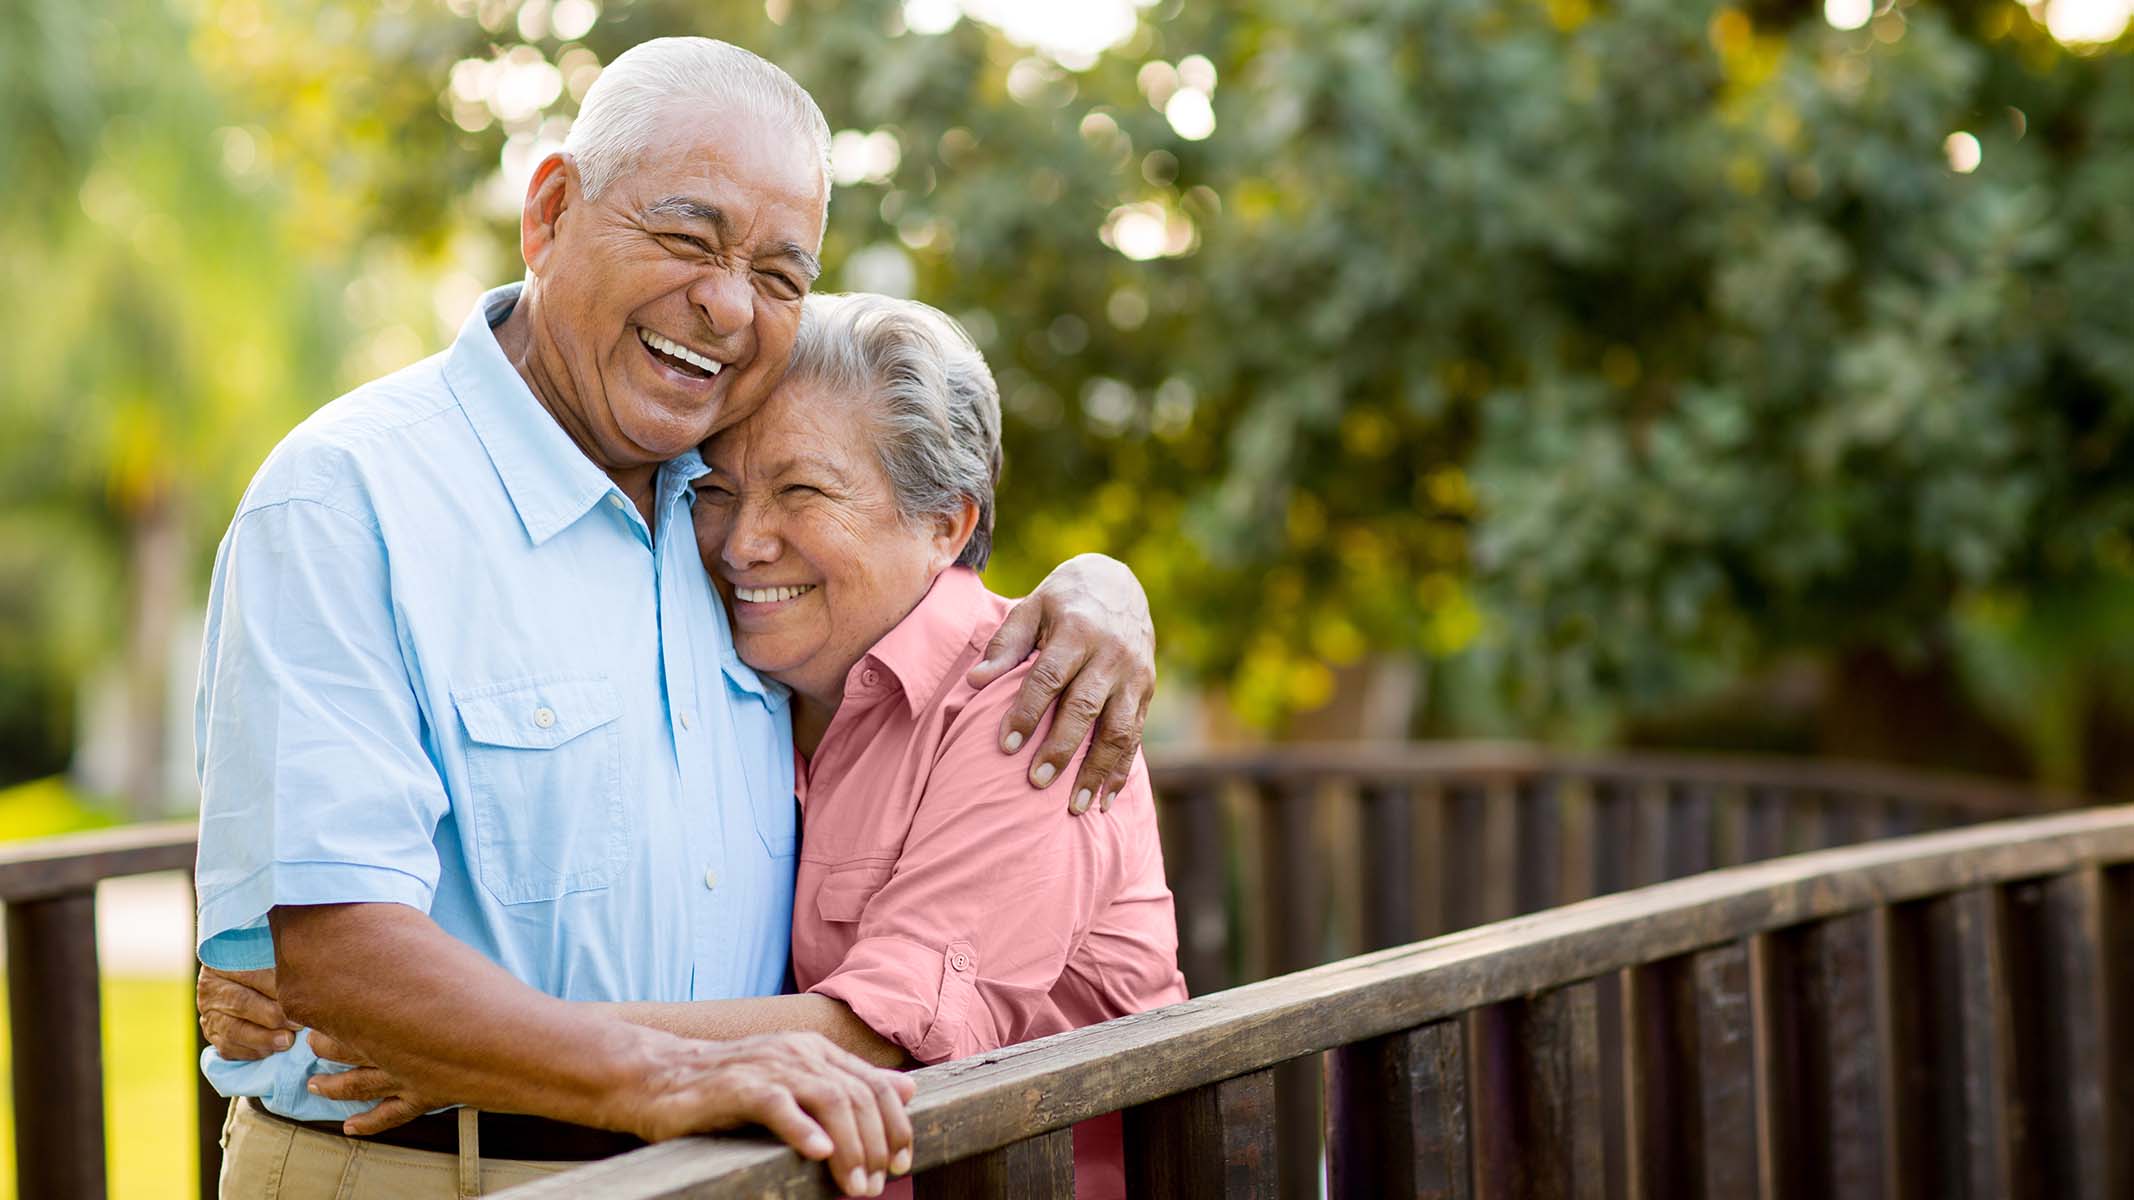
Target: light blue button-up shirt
[(449, 666)]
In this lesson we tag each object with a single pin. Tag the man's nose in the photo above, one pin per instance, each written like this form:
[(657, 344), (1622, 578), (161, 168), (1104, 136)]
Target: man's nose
[(725, 298)]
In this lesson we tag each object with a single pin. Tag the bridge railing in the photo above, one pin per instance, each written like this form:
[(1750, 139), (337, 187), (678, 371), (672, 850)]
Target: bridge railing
[(1944, 1015), (1280, 859)]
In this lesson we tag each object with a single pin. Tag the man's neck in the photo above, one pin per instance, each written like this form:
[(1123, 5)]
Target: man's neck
[(515, 336)]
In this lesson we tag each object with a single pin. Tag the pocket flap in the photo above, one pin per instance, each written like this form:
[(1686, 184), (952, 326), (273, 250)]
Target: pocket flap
[(846, 890), (536, 714)]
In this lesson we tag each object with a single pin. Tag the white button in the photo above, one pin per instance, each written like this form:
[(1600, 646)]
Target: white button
[(615, 500), (544, 717), (686, 722), (711, 880)]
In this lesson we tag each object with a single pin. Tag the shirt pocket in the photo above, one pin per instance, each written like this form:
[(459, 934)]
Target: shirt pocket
[(544, 765), (847, 888)]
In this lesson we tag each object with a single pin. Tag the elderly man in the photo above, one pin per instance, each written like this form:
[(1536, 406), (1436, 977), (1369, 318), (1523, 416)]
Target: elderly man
[(473, 737)]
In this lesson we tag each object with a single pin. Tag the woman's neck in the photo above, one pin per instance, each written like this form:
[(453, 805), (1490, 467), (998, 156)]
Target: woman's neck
[(811, 719)]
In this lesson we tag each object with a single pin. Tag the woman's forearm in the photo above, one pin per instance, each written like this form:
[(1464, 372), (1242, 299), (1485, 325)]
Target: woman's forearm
[(721, 1020)]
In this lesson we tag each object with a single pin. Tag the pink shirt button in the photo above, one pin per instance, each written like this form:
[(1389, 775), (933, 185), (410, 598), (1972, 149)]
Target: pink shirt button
[(870, 677), (961, 962)]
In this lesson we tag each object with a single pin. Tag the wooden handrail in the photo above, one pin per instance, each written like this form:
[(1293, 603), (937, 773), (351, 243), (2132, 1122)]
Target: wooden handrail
[(977, 1105), (77, 862)]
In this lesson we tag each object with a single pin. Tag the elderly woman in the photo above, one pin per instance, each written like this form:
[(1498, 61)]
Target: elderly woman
[(936, 916), (846, 522)]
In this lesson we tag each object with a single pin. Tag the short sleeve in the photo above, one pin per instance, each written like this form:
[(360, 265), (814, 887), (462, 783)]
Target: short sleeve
[(996, 887), (315, 785)]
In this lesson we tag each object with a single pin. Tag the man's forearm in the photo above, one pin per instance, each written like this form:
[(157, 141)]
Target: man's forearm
[(387, 981), (723, 1020)]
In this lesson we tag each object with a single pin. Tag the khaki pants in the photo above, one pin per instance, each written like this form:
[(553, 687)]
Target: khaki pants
[(266, 1159)]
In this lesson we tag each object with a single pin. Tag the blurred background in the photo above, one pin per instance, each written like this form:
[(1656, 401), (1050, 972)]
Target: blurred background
[(1603, 372)]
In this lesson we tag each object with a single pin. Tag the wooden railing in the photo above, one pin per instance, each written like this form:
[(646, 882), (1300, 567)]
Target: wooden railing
[(1946, 1015), (1280, 860)]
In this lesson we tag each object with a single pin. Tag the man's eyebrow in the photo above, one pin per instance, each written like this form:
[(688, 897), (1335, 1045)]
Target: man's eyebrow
[(798, 253), (712, 215), (693, 210)]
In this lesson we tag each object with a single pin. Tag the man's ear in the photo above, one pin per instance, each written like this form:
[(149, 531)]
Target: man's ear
[(549, 194), (952, 532)]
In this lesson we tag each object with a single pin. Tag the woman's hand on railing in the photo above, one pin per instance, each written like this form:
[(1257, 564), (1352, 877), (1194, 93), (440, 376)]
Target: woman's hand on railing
[(239, 1015)]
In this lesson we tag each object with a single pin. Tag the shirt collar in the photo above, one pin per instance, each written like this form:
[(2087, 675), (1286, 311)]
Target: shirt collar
[(929, 640), (551, 482)]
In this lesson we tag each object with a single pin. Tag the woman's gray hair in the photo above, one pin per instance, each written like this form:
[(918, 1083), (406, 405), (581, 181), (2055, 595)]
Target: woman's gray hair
[(936, 408), (621, 114)]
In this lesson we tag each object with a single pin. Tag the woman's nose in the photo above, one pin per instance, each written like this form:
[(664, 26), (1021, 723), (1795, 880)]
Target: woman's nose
[(752, 540)]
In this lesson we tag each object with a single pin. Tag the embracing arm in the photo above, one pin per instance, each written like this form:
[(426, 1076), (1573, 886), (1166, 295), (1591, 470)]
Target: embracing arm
[(532, 1053), (716, 1020), (1089, 620)]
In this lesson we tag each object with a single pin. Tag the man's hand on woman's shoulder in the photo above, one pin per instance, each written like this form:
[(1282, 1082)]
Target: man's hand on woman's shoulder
[(1089, 621)]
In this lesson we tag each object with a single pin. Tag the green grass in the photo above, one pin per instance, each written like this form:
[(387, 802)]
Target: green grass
[(149, 1148)]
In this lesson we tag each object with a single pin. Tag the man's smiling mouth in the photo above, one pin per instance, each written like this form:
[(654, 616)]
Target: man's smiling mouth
[(678, 356)]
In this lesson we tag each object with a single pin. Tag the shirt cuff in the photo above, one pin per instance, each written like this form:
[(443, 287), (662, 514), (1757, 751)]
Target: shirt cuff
[(916, 996), (233, 922)]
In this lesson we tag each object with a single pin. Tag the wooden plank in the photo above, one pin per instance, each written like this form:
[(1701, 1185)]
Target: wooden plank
[(1294, 885), (1539, 854), (2082, 1152), (1416, 762), (1215, 1141), (1397, 1116), (62, 866), (1611, 836), (1648, 834), (1665, 1134), (1730, 827), (1777, 1066), (1579, 832), (1198, 882), (56, 1036), (1725, 1073), (1537, 1102), (1611, 1016), (1845, 1006), (1995, 1150), (1432, 848), (1691, 811), (1499, 851), (1389, 866), (1040, 1167), (1463, 861), (1011, 1093), (1766, 837)]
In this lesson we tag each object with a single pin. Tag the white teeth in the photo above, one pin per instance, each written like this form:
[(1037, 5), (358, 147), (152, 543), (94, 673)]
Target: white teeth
[(772, 594), (678, 350)]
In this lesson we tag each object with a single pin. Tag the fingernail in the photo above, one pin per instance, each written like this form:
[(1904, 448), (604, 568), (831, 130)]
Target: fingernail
[(312, 1086), (856, 1182), (1012, 742), (1081, 802), (283, 1041), (1106, 805), (1044, 774), (901, 1164), (879, 1181)]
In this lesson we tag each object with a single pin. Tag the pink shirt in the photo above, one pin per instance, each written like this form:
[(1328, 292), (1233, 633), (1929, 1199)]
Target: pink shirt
[(953, 907)]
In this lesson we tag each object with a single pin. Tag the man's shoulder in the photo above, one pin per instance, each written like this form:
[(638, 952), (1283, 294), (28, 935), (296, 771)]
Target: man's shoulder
[(336, 454)]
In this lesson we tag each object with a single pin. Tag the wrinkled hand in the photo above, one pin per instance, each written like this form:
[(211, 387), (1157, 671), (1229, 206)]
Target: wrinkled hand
[(239, 1015), (397, 1102), (1091, 620), (822, 1101)]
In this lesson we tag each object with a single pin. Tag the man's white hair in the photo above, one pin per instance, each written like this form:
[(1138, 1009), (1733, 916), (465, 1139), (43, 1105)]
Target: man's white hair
[(622, 110)]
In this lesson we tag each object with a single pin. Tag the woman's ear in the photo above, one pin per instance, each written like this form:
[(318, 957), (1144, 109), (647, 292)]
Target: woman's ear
[(952, 532)]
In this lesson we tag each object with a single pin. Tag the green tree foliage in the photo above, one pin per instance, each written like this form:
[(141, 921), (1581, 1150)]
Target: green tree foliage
[(1606, 348)]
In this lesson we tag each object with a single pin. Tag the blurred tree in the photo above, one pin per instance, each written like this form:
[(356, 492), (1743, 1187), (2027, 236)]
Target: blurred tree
[(167, 337), (1599, 353)]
